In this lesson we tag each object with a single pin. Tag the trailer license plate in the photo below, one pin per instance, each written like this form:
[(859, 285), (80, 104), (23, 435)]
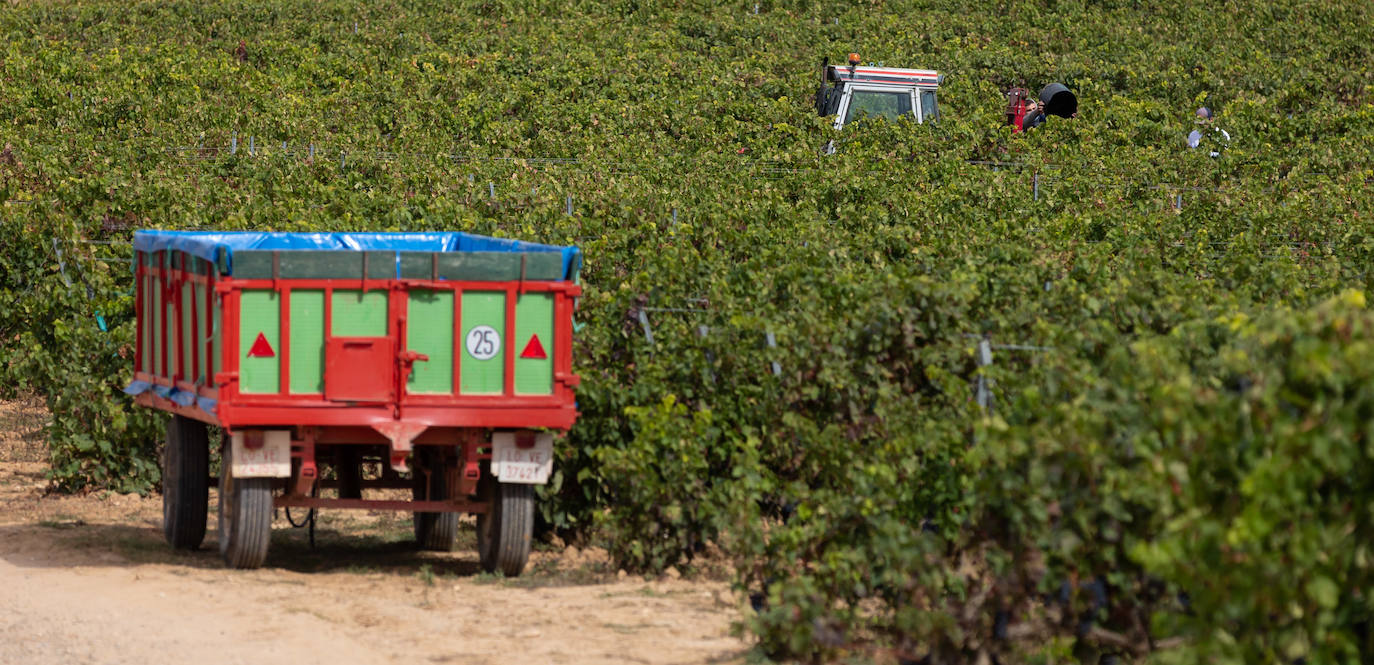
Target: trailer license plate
[(262, 453), (530, 465)]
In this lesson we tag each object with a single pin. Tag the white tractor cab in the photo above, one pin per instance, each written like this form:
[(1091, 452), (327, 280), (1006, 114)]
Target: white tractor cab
[(851, 92)]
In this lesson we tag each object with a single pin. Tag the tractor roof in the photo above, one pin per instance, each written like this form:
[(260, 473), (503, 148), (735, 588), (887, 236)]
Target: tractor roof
[(887, 75)]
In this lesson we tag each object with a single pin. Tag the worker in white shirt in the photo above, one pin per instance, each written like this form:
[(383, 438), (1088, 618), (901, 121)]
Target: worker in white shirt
[(1216, 137)]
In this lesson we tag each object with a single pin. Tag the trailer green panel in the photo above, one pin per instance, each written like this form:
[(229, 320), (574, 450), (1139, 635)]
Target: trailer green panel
[(480, 376), (358, 313), (212, 313), (149, 310), (159, 318), (259, 314), (203, 334), (429, 330), (533, 344), (307, 341), (185, 340)]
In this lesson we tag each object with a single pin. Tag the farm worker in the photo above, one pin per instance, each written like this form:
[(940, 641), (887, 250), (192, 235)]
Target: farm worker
[(1016, 108), (1207, 131), (1035, 115)]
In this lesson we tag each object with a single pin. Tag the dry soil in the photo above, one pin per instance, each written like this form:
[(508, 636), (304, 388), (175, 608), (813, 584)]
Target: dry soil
[(89, 579)]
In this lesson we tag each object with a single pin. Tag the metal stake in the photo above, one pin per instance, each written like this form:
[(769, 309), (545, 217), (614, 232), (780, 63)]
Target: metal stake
[(61, 265), (644, 322), (773, 344), (702, 332), (984, 391)]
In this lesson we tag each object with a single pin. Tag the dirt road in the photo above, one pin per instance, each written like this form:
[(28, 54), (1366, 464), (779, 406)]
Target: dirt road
[(90, 580)]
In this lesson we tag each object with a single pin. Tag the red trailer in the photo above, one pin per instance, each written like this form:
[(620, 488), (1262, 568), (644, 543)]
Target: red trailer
[(442, 359)]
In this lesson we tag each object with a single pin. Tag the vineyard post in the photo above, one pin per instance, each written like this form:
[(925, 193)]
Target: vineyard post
[(1035, 186), (773, 344), (491, 190), (570, 205), (250, 145), (234, 144), (984, 391), (61, 265), (707, 374), (644, 322)]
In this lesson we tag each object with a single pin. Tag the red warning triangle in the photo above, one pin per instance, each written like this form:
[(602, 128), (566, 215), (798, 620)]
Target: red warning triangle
[(261, 349), (534, 349)]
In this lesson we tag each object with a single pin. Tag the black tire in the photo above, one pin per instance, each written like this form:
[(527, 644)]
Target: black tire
[(433, 531), (245, 516), (185, 483), (505, 531)]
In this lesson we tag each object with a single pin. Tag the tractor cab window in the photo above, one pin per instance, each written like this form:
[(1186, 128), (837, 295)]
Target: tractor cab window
[(874, 104), (928, 109)]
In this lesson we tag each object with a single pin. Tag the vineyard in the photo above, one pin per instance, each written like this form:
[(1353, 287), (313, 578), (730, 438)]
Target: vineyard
[(948, 393)]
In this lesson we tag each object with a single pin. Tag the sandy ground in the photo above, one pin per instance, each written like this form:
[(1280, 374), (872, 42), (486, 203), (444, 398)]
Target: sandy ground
[(90, 580)]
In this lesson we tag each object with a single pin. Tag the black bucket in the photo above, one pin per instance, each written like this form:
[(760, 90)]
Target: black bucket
[(1057, 100)]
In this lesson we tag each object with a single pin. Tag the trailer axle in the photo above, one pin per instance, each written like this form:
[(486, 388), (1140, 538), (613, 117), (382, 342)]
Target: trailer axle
[(371, 504)]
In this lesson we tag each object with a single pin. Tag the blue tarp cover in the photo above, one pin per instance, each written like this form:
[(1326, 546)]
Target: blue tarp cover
[(207, 244)]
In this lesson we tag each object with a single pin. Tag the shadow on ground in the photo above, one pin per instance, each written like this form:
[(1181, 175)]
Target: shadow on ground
[(75, 543)]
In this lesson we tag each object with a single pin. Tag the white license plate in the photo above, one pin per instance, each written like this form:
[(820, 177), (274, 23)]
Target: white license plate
[(511, 463), (261, 453)]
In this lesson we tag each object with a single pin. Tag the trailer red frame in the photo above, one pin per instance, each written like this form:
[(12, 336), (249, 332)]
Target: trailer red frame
[(346, 325)]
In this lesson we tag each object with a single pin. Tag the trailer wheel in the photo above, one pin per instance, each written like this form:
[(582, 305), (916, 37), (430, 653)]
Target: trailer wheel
[(433, 531), (185, 486), (504, 532), (245, 516)]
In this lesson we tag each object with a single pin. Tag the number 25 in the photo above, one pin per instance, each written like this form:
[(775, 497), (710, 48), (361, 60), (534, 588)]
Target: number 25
[(481, 343)]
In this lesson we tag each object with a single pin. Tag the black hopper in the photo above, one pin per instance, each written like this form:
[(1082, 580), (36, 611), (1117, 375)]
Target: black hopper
[(1057, 100)]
